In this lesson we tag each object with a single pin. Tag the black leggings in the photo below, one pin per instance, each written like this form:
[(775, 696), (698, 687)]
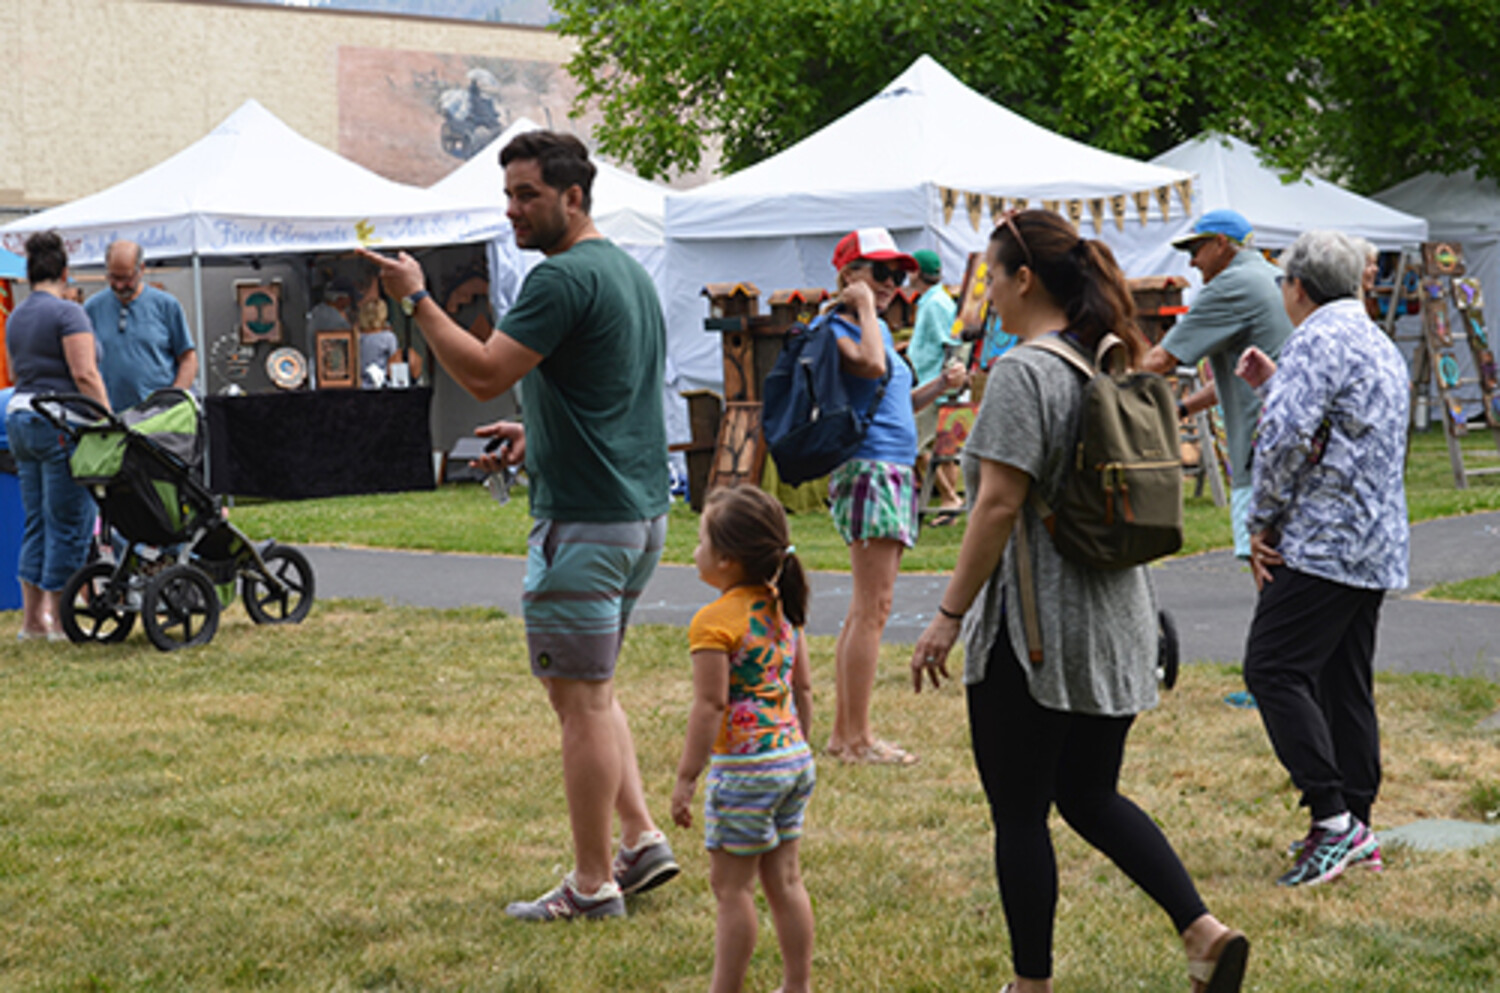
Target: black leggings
[(1030, 757)]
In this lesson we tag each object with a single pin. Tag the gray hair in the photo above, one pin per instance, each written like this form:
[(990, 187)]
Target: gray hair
[(1328, 263), (1367, 249)]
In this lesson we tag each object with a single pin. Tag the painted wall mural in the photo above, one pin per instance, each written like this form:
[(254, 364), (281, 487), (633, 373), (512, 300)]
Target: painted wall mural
[(415, 116)]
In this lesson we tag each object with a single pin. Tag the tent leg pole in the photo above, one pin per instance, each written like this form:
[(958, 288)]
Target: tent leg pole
[(198, 320)]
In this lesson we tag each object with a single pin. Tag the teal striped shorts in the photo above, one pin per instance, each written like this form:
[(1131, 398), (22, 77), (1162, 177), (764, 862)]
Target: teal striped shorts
[(755, 803), (582, 581)]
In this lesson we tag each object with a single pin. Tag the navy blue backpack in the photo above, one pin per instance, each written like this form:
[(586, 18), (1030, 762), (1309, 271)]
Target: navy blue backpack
[(809, 426)]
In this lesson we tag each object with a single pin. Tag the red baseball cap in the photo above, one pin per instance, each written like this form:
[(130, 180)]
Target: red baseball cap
[(875, 244)]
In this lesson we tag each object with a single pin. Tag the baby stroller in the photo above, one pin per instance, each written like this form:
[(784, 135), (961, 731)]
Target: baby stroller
[(182, 558)]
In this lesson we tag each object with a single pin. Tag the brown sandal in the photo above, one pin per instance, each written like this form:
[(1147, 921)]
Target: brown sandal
[(1224, 969)]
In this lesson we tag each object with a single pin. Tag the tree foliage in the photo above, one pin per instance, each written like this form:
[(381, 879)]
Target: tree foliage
[(1367, 91)]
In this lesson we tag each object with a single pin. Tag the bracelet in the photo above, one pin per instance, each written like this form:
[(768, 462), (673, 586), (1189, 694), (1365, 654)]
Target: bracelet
[(949, 614)]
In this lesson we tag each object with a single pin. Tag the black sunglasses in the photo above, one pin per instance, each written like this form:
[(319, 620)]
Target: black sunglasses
[(881, 272)]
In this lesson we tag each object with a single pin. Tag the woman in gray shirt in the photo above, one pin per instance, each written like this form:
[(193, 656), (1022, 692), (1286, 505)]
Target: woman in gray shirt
[(51, 347), (1054, 731)]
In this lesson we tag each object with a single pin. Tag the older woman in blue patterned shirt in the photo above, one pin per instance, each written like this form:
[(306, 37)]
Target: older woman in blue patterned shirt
[(1328, 537)]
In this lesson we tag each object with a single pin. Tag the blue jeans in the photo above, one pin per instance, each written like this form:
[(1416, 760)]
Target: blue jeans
[(59, 512)]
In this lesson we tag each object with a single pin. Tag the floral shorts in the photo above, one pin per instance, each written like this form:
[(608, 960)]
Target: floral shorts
[(874, 500)]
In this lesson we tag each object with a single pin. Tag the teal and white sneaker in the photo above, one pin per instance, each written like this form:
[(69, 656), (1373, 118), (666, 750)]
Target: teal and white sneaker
[(566, 903), (1370, 863), (1326, 854), (646, 866)]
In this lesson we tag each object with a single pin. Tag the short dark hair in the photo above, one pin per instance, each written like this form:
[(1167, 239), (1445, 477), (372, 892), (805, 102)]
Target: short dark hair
[(564, 161), (46, 258)]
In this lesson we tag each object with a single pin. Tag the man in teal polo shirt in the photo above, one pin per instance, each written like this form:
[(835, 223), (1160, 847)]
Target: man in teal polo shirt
[(1240, 305), (587, 343)]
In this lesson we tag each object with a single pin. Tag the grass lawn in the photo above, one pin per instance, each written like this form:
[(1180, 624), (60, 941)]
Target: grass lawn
[(464, 518), (348, 804)]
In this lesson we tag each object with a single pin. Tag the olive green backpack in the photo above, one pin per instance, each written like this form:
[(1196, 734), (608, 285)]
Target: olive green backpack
[(1121, 500)]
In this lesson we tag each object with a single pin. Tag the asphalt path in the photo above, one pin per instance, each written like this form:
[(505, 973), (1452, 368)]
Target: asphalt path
[(1210, 596)]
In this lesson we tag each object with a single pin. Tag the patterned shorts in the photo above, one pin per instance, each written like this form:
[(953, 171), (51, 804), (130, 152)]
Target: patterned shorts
[(755, 803), (874, 500), (582, 581)]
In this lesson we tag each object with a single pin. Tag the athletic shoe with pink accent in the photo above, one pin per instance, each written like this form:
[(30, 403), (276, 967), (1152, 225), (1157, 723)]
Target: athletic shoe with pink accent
[(566, 903)]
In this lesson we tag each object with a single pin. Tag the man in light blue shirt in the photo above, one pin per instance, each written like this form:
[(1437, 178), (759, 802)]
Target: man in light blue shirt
[(144, 342), (1239, 306), (928, 351)]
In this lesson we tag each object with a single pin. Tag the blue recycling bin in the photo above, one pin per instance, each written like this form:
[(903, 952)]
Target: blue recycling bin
[(12, 519)]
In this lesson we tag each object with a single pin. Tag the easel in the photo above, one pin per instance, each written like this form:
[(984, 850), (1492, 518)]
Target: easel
[(1433, 364), (1198, 430)]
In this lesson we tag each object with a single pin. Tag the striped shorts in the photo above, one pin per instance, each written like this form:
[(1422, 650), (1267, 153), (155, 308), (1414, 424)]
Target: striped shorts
[(582, 581), (874, 500), (754, 803)]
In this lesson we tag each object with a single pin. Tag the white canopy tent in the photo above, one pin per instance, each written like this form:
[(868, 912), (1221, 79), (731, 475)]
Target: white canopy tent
[(928, 158), (1230, 175), (626, 209), (253, 186)]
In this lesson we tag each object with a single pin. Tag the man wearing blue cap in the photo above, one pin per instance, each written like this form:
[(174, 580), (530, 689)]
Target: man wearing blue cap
[(1239, 306)]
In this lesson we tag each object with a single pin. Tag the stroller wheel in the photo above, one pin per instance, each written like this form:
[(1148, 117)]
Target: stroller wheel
[(1167, 659), (180, 608), (267, 606), (89, 612)]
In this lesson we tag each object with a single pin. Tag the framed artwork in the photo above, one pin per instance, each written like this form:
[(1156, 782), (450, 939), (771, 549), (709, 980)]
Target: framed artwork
[(337, 356), (260, 311)]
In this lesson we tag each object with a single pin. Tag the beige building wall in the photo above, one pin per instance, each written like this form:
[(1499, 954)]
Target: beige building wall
[(98, 90)]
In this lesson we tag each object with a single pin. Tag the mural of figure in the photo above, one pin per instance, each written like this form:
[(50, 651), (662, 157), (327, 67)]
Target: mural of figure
[(471, 114)]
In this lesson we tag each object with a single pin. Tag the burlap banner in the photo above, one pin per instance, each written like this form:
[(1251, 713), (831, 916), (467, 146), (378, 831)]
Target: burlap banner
[(1116, 207)]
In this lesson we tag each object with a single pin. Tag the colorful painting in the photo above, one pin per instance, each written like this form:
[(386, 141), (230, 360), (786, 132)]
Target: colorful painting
[(414, 116), (954, 422)]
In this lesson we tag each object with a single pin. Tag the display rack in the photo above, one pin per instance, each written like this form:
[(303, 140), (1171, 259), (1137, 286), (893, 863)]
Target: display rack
[(1445, 292)]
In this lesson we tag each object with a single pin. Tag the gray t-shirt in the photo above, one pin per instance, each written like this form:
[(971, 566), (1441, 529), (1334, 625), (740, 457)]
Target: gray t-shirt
[(1098, 628)]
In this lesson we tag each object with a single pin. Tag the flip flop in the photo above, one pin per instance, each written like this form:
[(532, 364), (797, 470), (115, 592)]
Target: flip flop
[(1223, 971)]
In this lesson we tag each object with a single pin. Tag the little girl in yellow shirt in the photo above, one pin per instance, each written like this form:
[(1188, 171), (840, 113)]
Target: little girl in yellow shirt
[(752, 708)]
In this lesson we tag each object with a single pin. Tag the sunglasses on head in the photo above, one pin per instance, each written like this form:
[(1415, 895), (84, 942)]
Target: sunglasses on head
[(881, 272), (1008, 219)]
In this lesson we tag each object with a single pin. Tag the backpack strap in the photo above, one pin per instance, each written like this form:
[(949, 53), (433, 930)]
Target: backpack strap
[(826, 318), (1030, 619)]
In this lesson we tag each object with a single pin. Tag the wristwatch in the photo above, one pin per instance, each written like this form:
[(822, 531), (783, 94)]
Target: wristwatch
[(409, 304)]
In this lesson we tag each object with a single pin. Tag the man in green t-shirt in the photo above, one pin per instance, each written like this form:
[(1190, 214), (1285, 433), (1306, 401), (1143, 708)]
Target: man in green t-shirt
[(587, 344)]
